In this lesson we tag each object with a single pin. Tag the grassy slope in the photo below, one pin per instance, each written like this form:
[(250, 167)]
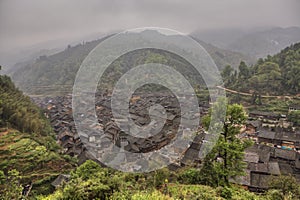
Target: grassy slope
[(32, 158)]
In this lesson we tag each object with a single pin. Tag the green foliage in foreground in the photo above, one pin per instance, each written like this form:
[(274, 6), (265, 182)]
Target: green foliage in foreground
[(90, 181), (11, 190), (28, 150), (31, 161), (225, 160)]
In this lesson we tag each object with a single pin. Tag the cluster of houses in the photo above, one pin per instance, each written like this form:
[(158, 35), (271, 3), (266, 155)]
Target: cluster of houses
[(275, 152), (59, 111)]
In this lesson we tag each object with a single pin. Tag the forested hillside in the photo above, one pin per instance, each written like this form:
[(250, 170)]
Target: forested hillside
[(277, 75), (55, 70), (56, 73), (17, 111), (29, 154)]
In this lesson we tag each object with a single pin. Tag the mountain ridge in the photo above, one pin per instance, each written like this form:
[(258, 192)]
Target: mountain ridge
[(61, 68)]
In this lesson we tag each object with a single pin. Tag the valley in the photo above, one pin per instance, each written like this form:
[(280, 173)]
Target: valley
[(44, 156)]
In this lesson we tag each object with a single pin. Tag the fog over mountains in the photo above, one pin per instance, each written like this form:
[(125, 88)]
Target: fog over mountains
[(32, 28), (255, 43), (259, 43)]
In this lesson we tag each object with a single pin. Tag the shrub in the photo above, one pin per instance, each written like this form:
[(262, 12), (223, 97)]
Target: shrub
[(189, 176)]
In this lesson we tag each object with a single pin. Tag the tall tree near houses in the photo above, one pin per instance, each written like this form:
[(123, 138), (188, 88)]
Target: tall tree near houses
[(244, 71), (227, 74), (225, 161)]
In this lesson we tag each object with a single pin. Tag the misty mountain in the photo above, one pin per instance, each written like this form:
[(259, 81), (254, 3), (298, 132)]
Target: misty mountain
[(11, 61), (58, 71), (261, 44), (14, 58), (257, 43), (223, 57), (220, 37)]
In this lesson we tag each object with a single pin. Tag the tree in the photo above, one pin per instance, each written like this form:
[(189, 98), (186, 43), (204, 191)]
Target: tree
[(225, 161), (268, 77), (294, 116), (2, 177), (41, 154), (90, 181), (292, 78), (244, 71), (12, 186), (287, 186), (228, 75)]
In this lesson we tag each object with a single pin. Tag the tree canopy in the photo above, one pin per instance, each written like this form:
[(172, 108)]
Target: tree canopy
[(278, 74)]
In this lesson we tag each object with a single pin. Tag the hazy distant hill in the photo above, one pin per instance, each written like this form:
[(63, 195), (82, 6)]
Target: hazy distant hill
[(224, 57), (220, 37), (268, 42), (256, 43), (60, 69)]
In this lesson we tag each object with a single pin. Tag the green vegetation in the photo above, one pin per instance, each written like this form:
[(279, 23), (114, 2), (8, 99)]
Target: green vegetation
[(55, 74), (10, 185), (33, 156), (29, 153), (225, 161), (28, 150), (17, 111), (274, 75), (284, 187), (294, 116), (90, 181)]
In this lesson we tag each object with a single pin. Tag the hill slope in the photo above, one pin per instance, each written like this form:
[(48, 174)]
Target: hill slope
[(257, 43), (261, 44), (277, 75), (56, 73), (28, 149)]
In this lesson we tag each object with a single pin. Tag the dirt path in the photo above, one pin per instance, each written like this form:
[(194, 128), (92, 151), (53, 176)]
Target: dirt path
[(249, 94)]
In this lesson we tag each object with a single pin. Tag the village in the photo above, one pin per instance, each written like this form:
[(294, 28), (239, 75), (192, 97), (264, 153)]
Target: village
[(275, 150)]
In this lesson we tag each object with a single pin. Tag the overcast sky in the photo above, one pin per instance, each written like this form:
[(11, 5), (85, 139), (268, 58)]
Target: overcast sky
[(28, 22)]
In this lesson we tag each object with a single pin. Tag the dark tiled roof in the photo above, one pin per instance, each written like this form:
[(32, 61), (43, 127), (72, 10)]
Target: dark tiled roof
[(288, 136), (285, 168), (254, 123), (264, 114), (297, 163), (285, 154), (266, 134), (60, 179), (243, 180), (265, 168), (263, 152), (260, 180), (274, 168), (251, 157)]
